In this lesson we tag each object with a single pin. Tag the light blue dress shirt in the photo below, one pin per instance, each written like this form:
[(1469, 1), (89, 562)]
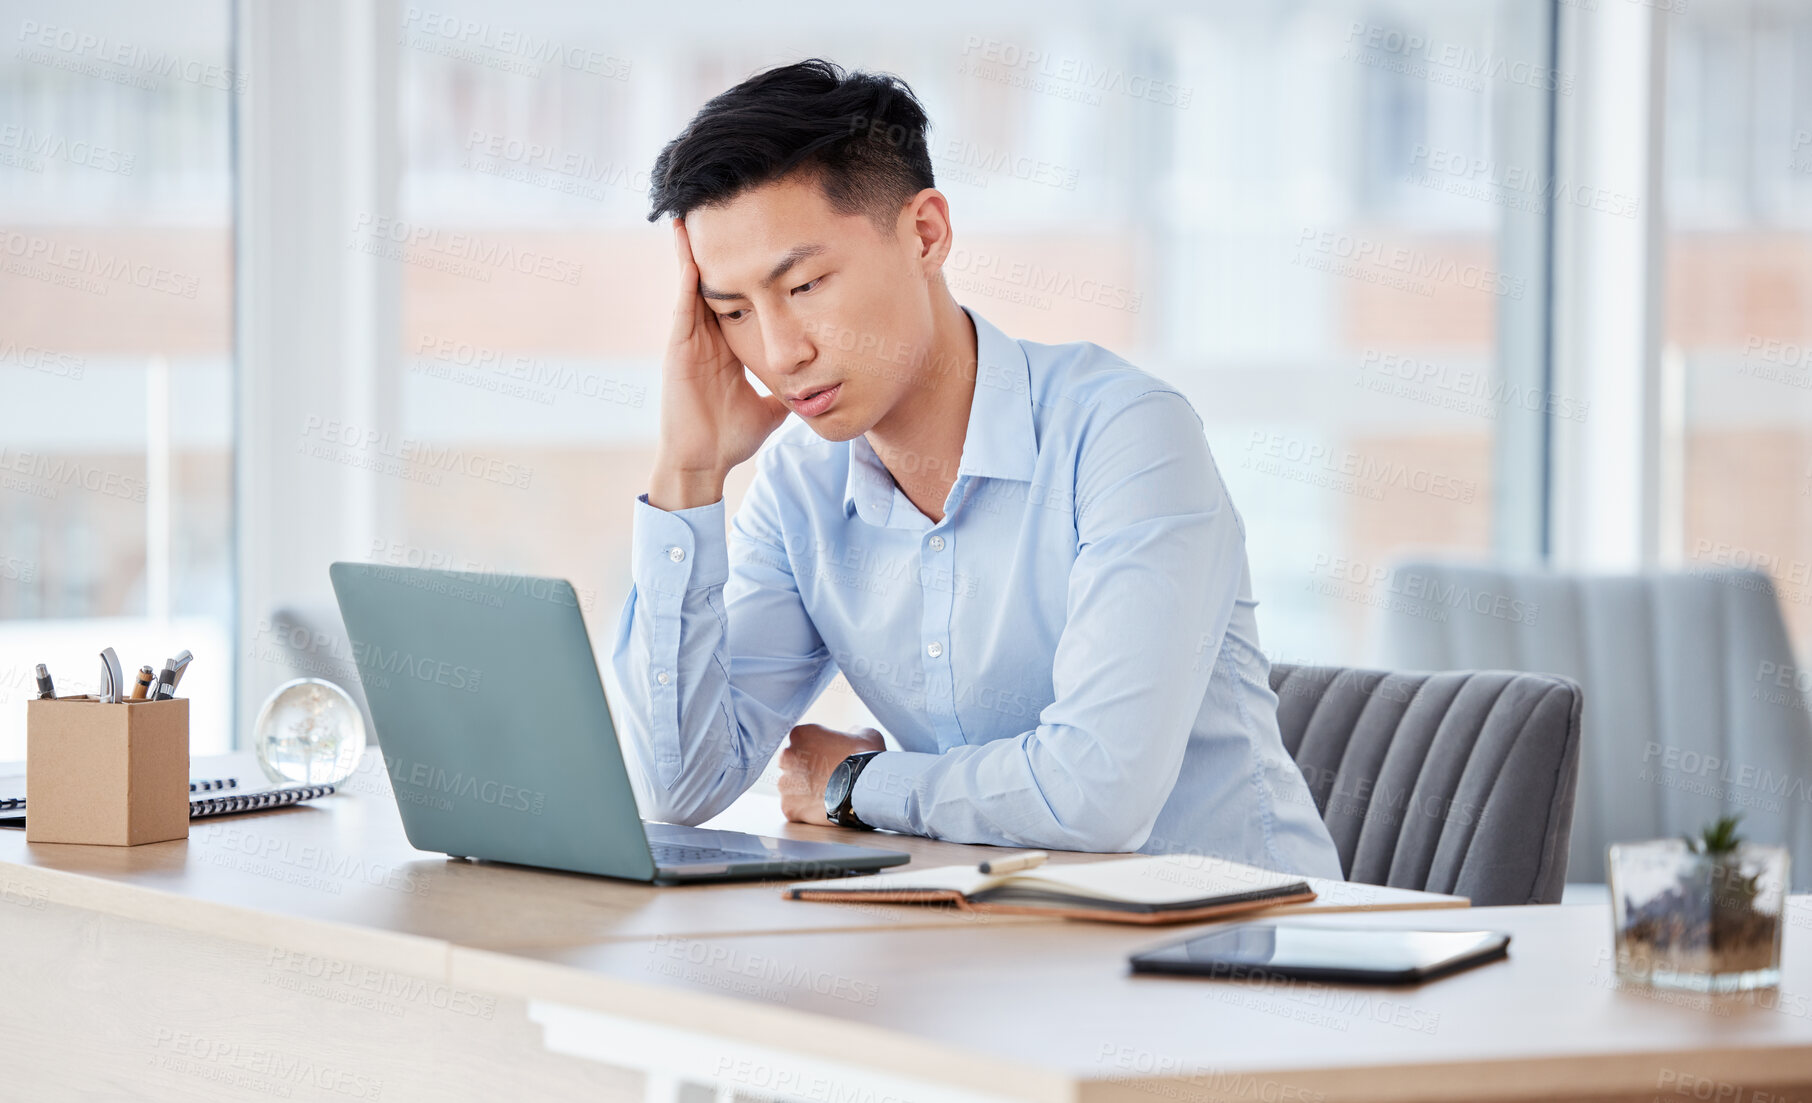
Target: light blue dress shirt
[(1068, 660)]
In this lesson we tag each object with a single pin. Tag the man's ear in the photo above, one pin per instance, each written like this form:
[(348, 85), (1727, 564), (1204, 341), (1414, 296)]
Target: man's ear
[(924, 226)]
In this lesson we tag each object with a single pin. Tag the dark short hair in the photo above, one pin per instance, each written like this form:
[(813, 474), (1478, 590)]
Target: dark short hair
[(861, 135)]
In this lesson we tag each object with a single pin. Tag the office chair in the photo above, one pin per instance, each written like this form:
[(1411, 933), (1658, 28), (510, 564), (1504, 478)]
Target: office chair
[(1456, 782), (1698, 709)]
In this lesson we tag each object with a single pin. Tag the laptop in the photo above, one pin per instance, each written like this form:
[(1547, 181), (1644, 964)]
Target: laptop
[(492, 720)]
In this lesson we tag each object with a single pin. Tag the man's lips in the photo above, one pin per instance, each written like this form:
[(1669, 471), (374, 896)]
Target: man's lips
[(813, 402)]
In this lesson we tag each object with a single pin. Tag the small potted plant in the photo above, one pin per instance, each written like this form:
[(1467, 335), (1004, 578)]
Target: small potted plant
[(1702, 912)]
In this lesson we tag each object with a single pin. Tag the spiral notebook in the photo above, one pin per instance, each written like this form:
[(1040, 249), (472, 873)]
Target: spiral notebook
[(207, 797)]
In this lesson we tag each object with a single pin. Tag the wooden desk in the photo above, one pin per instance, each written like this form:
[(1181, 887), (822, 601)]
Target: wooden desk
[(315, 939)]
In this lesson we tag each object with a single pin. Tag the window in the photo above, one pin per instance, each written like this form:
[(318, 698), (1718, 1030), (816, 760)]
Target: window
[(116, 364), (1738, 317)]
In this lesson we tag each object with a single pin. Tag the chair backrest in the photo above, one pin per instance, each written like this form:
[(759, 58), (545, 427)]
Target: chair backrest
[(1697, 709), (1458, 782), (310, 641)]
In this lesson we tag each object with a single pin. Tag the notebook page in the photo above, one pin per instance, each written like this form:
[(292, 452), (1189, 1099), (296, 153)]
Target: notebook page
[(1158, 879)]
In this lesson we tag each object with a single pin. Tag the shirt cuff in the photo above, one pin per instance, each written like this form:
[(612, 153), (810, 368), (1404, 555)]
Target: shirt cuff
[(887, 789), (679, 550)]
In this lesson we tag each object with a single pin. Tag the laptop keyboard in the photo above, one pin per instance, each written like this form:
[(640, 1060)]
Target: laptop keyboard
[(679, 854)]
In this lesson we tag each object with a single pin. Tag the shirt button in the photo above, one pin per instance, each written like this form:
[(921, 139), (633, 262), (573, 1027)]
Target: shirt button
[(662, 678), (937, 543), (934, 649), (678, 555)]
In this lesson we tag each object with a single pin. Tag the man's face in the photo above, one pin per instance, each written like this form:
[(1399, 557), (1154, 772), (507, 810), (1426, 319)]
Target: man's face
[(830, 313)]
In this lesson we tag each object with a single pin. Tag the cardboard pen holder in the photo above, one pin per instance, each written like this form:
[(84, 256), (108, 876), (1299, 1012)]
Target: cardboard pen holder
[(115, 774)]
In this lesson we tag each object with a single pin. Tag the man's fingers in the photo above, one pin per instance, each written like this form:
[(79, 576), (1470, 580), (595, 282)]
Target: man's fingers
[(688, 302)]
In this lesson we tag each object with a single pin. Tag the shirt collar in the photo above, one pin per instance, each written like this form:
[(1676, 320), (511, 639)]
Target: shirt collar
[(999, 443)]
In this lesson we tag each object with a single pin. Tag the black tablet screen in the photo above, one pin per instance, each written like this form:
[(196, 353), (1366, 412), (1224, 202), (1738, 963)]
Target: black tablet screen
[(1354, 953)]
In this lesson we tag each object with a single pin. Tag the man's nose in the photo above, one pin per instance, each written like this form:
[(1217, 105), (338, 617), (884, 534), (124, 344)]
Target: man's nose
[(787, 343)]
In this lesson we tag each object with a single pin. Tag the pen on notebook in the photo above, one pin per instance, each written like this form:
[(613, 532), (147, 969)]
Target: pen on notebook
[(46, 691), (1014, 864), (145, 677)]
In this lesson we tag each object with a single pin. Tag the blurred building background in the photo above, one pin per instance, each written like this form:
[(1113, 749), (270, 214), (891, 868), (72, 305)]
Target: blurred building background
[(1342, 228)]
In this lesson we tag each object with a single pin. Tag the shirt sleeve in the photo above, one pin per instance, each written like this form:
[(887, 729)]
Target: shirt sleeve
[(715, 655), (1159, 561)]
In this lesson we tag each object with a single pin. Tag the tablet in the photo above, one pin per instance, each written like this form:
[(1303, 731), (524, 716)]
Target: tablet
[(1367, 955)]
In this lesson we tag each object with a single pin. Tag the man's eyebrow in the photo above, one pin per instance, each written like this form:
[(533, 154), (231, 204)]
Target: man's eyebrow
[(793, 256)]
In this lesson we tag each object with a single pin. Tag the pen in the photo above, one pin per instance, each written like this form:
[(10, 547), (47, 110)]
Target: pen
[(46, 691), (1014, 864), (177, 665), (166, 682), (145, 677), (113, 681)]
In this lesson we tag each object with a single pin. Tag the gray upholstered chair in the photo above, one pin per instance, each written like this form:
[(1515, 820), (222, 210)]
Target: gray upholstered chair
[(1696, 711), (1458, 783)]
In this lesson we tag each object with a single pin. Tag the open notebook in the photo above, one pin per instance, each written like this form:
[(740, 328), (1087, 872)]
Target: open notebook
[(1170, 888), (1160, 889)]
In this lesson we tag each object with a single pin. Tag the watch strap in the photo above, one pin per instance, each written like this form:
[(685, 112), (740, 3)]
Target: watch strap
[(844, 815)]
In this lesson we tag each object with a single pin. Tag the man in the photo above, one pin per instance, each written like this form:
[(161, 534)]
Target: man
[(1021, 556)]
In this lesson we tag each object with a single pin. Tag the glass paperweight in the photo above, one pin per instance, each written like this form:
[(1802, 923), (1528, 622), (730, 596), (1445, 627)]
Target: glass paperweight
[(1708, 922), (309, 732)]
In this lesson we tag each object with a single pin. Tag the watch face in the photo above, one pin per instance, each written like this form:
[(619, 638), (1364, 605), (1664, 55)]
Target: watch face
[(836, 789)]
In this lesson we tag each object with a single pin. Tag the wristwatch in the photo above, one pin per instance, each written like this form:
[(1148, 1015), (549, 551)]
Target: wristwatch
[(842, 787)]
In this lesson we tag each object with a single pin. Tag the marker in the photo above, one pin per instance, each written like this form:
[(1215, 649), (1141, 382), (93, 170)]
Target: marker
[(145, 678), (46, 691), (166, 682), (113, 681), (1028, 860)]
